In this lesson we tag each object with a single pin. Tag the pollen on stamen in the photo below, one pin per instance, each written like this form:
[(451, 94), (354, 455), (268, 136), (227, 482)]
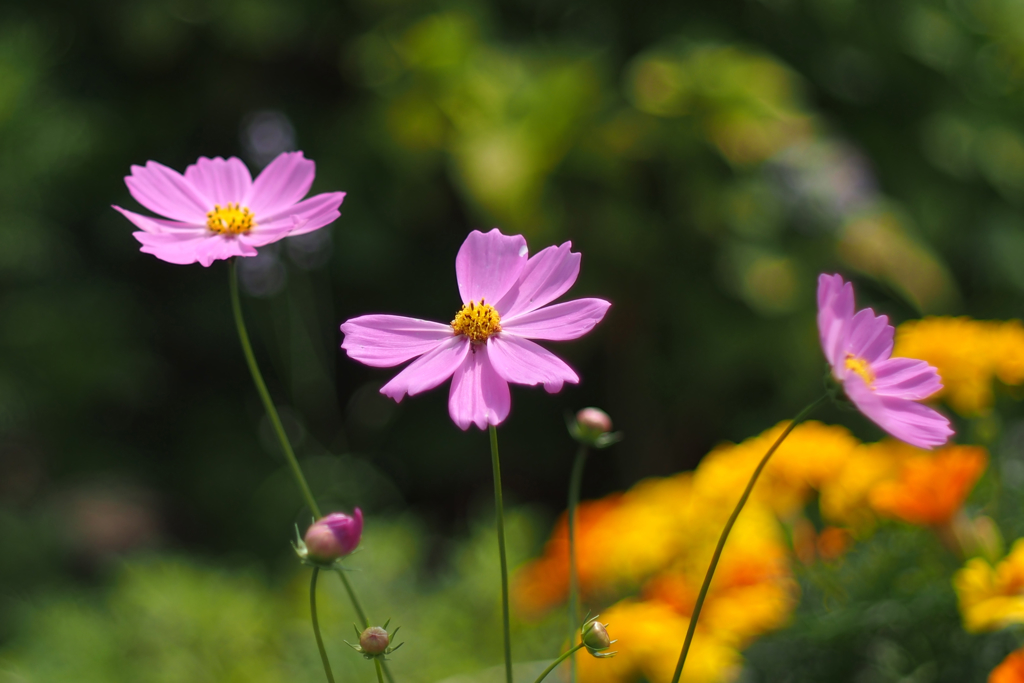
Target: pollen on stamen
[(861, 367), (232, 219), (477, 321)]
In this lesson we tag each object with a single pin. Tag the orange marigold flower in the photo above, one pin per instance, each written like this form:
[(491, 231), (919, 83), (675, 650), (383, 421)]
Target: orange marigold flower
[(544, 582), (621, 540), (1010, 670), (931, 487), (753, 593)]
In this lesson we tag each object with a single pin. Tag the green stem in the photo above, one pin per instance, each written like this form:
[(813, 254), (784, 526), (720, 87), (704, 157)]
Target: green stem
[(728, 527), (363, 619), (558, 661), (377, 665), (361, 613), (261, 388), (574, 579), (316, 626), (499, 509), (275, 420)]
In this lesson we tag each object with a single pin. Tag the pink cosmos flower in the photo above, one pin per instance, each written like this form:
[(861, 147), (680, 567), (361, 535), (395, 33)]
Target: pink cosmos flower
[(858, 347), (217, 211), (505, 296)]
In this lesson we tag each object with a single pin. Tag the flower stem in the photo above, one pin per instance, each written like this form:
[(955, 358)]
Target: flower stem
[(363, 619), (261, 388), (316, 626), (574, 579), (565, 655), (275, 420), (377, 665), (361, 613), (728, 527), (499, 509)]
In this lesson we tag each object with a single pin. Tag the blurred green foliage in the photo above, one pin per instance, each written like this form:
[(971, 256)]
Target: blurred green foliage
[(167, 618), (708, 159)]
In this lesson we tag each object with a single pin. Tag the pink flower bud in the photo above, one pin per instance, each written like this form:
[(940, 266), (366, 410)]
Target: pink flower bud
[(594, 420), (374, 640), (334, 536)]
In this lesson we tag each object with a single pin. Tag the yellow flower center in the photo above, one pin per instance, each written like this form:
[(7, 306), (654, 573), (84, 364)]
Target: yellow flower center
[(861, 367), (478, 321), (232, 219)]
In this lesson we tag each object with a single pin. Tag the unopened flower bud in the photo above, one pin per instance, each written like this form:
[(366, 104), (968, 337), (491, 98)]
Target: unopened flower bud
[(334, 536), (595, 636), (374, 640), (594, 421), (592, 427)]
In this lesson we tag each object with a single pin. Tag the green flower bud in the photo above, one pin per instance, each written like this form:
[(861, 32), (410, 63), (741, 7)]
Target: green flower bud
[(596, 639)]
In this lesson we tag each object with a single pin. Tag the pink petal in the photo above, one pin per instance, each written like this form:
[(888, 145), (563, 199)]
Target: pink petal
[(305, 216), (478, 395), (222, 181), (520, 361), (429, 370), (183, 248), (281, 184), (160, 226), (487, 265), (547, 275), (165, 191), (835, 310), (383, 341), (908, 421), (869, 336), (568, 320), (905, 378)]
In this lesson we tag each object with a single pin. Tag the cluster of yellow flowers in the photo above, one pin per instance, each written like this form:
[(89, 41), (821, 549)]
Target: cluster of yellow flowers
[(645, 551), (969, 355), (653, 543)]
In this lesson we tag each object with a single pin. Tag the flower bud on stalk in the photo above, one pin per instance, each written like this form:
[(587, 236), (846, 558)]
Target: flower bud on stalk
[(595, 637), (331, 538), (593, 427), (375, 641)]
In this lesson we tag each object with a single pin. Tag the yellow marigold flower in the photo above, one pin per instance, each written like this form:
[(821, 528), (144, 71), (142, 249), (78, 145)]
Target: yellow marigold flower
[(1010, 670), (931, 487), (812, 455), (845, 498), (649, 636), (992, 597), (969, 354)]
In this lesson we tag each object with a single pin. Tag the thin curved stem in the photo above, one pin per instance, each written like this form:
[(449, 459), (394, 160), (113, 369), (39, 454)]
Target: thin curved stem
[(261, 388), (378, 666), (282, 436), (363, 619), (565, 655), (574, 580), (728, 527), (361, 613), (316, 626), (499, 509)]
